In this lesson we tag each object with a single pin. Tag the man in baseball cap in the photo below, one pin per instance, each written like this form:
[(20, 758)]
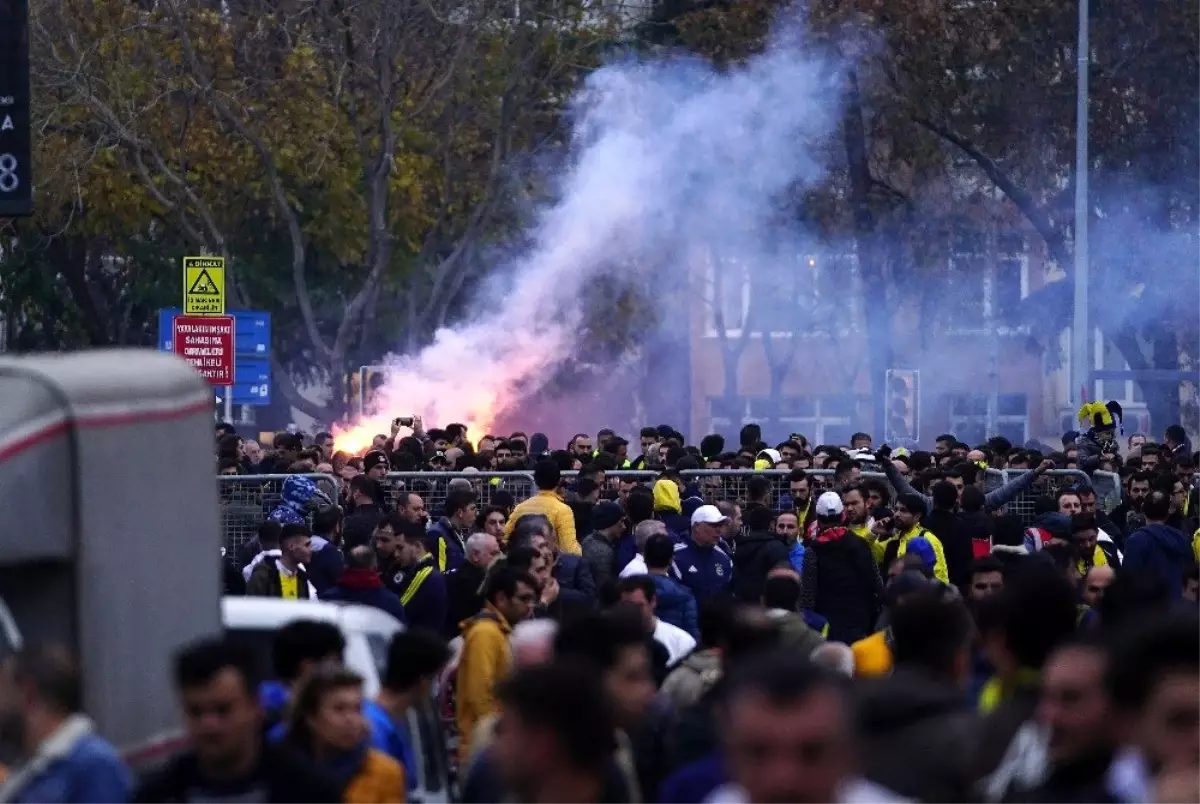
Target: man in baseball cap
[(707, 515), (829, 504), (846, 587), (701, 565)]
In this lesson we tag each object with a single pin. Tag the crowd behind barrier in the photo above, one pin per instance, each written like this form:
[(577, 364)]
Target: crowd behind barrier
[(246, 500)]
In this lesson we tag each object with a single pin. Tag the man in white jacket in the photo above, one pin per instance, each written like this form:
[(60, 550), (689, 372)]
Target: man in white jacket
[(788, 736)]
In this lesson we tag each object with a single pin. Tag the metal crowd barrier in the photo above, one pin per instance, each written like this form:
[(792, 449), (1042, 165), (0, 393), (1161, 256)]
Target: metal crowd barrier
[(247, 500), (1106, 484), (715, 485)]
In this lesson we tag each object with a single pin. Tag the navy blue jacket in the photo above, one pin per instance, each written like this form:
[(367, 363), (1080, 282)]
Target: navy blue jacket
[(446, 545), (422, 590), (707, 571), (574, 577), (1159, 550), (677, 524), (363, 586), (326, 565), (676, 604)]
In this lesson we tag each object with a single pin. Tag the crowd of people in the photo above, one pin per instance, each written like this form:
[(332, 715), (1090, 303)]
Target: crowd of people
[(904, 638)]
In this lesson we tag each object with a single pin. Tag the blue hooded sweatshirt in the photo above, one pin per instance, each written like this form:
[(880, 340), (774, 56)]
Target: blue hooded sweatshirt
[(1160, 550), (299, 492)]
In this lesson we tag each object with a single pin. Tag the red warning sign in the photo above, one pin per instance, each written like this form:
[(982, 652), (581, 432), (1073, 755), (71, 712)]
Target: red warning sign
[(207, 343)]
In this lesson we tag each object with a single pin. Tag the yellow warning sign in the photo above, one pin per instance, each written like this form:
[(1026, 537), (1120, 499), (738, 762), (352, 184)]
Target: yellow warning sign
[(204, 286)]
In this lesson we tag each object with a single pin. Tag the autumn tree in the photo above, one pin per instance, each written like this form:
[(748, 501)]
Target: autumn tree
[(881, 198), (349, 158), (995, 83)]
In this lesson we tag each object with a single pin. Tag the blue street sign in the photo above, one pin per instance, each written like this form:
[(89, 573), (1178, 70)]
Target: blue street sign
[(252, 347)]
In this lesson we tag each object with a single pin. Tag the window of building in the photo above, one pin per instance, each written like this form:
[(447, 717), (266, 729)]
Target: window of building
[(824, 419), (969, 419), (792, 294), (1107, 357), (727, 297), (978, 287)]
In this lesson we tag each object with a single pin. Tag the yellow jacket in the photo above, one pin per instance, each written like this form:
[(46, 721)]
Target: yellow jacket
[(666, 496), (1098, 560), (872, 656), (939, 565), (863, 532), (379, 779), (1196, 545), (549, 504), (486, 659)]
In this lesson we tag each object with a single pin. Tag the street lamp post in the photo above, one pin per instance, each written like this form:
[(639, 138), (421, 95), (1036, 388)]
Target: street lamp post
[(1081, 354)]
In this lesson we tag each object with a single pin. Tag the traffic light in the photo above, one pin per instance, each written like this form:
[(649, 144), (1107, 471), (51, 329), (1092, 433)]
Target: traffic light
[(903, 406)]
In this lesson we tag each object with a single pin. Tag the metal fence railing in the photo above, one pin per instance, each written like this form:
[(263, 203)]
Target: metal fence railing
[(714, 485), (1107, 487), (247, 500)]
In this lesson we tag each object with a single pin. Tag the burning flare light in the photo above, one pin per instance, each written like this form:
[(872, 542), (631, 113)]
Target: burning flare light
[(665, 154)]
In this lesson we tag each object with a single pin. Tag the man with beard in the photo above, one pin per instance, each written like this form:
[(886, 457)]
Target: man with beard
[(855, 518), (65, 759), (1127, 515)]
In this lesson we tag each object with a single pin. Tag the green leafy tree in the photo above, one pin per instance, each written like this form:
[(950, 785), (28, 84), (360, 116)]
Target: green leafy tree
[(349, 162)]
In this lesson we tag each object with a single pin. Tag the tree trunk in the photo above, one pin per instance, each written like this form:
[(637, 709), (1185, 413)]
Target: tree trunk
[(877, 322)]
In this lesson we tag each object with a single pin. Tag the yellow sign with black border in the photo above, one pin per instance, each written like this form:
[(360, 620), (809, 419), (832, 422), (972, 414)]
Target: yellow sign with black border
[(204, 286)]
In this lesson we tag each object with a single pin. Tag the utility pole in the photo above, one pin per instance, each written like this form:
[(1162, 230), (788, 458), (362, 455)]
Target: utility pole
[(991, 282), (1081, 352)]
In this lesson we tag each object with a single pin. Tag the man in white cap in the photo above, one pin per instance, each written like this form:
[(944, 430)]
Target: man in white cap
[(841, 581), (700, 564)]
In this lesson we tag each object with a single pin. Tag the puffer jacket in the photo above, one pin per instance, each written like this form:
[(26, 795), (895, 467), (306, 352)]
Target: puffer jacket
[(676, 604)]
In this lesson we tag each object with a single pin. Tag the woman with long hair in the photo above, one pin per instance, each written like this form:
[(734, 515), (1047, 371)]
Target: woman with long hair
[(328, 727)]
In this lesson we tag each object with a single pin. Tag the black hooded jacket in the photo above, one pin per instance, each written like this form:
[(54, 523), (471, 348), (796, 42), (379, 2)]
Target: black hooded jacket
[(841, 583), (757, 554)]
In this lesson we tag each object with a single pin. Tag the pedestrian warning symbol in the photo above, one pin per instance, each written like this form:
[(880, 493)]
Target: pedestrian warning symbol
[(203, 285)]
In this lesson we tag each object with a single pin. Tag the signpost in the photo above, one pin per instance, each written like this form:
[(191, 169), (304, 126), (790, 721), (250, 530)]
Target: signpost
[(203, 284), (207, 343), (16, 153), (251, 349)]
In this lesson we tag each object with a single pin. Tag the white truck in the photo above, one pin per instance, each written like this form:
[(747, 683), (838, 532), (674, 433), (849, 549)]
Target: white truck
[(111, 538)]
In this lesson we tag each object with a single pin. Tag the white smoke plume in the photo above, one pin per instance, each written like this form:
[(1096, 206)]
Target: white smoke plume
[(665, 154)]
